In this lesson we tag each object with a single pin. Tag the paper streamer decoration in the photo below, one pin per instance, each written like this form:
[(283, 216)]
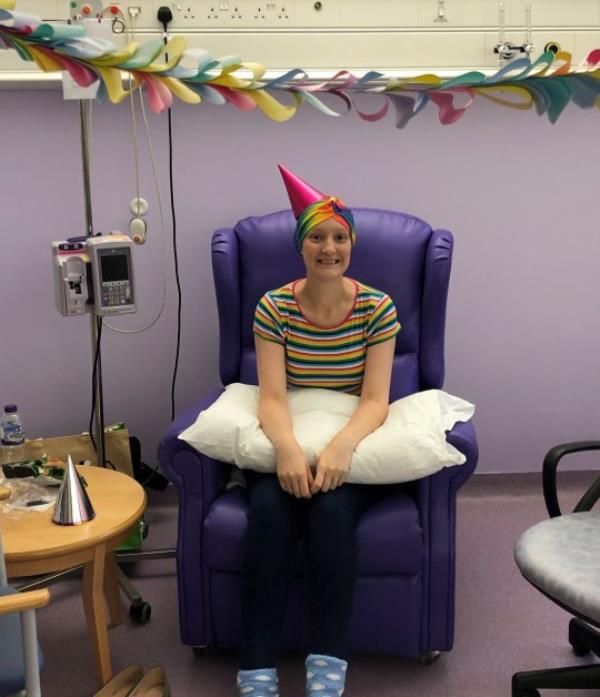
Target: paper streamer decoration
[(547, 85)]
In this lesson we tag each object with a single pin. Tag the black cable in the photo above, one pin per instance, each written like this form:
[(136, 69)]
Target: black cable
[(178, 282), (149, 477), (176, 261), (94, 373), (165, 16), (101, 400)]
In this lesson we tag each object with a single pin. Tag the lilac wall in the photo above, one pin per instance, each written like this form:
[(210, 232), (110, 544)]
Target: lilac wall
[(519, 194)]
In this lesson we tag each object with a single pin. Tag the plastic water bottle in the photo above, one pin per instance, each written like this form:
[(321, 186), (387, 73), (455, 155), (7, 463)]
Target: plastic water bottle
[(12, 436)]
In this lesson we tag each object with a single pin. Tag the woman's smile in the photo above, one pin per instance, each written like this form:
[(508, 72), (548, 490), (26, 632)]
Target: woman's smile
[(328, 246)]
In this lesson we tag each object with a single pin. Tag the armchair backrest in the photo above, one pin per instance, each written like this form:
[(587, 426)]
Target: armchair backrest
[(395, 252)]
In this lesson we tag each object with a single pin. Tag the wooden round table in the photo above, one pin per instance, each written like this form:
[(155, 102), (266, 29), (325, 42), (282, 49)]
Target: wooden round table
[(34, 545)]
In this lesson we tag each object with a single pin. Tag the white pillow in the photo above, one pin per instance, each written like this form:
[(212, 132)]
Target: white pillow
[(410, 444)]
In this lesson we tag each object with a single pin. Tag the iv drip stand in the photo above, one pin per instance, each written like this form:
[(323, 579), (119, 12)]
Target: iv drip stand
[(139, 609), (94, 319)]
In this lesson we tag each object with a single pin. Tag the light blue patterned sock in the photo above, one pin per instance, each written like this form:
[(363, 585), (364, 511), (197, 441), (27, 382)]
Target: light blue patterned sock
[(262, 682), (325, 676)]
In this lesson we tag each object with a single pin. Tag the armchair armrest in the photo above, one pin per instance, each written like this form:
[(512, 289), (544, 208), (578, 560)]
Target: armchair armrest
[(18, 636), (191, 472), (199, 480), (18, 602), (553, 457), (463, 438), (435, 497)]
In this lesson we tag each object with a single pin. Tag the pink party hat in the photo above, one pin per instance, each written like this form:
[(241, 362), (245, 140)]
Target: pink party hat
[(301, 193)]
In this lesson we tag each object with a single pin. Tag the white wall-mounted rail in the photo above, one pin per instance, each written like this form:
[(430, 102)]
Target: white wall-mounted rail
[(443, 36)]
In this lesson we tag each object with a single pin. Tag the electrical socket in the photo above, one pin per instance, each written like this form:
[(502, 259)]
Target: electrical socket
[(190, 14), (271, 12), (227, 13), (186, 13), (134, 11)]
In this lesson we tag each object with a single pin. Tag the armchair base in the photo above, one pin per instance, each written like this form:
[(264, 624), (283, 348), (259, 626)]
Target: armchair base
[(386, 615)]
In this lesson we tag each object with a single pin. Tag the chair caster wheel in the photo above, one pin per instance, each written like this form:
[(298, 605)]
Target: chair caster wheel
[(579, 647), (140, 612), (200, 651), (429, 657)]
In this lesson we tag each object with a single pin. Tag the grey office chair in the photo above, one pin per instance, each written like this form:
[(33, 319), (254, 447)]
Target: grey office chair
[(561, 558), (20, 658)]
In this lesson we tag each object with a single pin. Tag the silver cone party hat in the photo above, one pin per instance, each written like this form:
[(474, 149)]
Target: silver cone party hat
[(73, 505)]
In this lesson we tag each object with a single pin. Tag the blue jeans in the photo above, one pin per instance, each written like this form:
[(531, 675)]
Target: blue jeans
[(277, 520)]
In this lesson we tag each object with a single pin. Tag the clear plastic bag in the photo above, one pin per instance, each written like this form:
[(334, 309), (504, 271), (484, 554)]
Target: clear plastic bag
[(27, 495)]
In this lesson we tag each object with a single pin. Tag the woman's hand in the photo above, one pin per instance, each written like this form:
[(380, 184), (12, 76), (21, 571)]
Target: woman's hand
[(332, 467), (293, 470)]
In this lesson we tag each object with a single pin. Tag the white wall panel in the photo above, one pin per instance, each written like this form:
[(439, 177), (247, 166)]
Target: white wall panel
[(356, 34)]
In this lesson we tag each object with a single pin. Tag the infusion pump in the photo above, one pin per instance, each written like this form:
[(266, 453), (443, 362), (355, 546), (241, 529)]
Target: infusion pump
[(94, 273)]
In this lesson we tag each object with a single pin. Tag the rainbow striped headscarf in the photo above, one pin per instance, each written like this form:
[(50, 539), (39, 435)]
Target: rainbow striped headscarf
[(318, 212)]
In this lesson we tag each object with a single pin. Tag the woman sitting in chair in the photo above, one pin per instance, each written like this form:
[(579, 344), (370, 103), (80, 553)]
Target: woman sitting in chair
[(331, 332)]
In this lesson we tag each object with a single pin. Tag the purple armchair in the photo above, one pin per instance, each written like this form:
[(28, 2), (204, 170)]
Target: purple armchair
[(404, 598)]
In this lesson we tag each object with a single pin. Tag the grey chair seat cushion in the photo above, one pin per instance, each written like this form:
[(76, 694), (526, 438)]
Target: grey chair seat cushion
[(561, 556)]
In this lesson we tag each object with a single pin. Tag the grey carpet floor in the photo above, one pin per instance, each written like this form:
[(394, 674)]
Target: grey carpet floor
[(503, 625)]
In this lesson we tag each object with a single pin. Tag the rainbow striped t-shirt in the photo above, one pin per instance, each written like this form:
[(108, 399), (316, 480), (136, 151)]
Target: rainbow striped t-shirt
[(330, 357)]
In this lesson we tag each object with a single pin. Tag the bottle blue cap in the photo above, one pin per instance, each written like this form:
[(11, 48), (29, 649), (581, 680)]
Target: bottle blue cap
[(10, 408)]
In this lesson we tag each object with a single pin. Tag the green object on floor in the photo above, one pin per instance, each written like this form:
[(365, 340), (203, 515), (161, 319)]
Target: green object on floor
[(134, 541)]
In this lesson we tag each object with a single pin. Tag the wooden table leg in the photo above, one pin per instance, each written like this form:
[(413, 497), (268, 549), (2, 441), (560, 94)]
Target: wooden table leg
[(93, 604), (112, 590)]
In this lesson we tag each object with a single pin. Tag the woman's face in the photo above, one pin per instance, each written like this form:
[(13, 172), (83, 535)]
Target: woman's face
[(326, 249)]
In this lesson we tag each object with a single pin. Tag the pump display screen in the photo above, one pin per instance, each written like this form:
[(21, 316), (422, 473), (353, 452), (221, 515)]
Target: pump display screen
[(115, 278), (114, 267)]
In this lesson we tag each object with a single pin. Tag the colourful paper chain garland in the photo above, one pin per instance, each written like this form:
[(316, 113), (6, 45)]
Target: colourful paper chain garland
[(548, 84)]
